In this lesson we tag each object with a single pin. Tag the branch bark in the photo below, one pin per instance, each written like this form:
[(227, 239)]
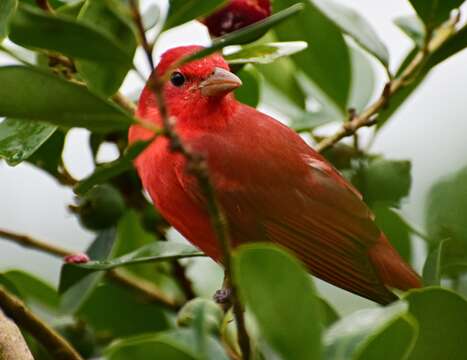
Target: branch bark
[(369, 116), (12, 344), (57, 346)]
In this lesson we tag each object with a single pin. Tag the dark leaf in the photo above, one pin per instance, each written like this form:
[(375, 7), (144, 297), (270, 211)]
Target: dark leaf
[(353, 24), (34, 28), (182, 11), (249, 92), (76, 289), (49, 156), (432, 270), (265, 273), (19, 139), (33, 94), (442, 318), (435, 12), (104, 77), (326, 61), (7, 9)]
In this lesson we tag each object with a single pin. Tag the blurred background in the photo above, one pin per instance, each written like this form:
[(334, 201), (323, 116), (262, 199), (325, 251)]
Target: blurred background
[(429, 130)]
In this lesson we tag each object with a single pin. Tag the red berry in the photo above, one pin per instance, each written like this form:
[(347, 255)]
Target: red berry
[(236, 15), (78, 258)]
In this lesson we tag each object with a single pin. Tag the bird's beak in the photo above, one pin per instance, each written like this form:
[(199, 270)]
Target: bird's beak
[(220, 82)]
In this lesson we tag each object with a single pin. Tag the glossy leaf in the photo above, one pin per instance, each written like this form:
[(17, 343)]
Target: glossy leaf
[(363, 80), (249, 92), (442, 318), (34, 28), (326, 61), (76, 289), (432, 270), (413, 28), (7, 9), (435, 12), (171, 345), (396, 229), (104, 77), (263, 53), (49, 156), (105, 172), (385, 333), (33, 94), (264, 273), (182, 11), (356, 26), (248, 33), (19, 139)]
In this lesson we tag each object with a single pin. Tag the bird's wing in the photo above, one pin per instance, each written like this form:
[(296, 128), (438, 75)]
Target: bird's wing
[(272, 186)]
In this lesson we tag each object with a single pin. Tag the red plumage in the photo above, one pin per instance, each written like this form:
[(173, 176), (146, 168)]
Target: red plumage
[(270, 183)]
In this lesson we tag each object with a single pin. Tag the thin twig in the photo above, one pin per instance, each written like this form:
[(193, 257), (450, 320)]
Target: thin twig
[(12, 343), (197, 166), (56, 345), (134, 5), (369, 116), (140, 286)]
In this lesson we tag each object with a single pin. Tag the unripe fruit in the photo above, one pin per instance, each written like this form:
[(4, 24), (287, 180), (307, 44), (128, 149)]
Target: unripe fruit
[(101, 207), (236, 15)]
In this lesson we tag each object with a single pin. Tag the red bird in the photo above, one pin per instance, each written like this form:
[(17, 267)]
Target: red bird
[(271, 185), (236, 15)]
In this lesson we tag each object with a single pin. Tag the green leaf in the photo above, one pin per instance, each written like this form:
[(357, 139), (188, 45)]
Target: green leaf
[(71, 9), (33, 290), (249, 92), (7, 9), (34, 28), (413, 28), (326, 61), (182, 11), (274, 286), (263, 53), (445, 219), (328, 314), (452, 46), (76, 289), (432, 270), (114, 311), (384, 333), (106, 171), (19, 139), (356, 26), (103, 77), (157, 251), (171, 345), (33, 94), (49, 156), (246, 34), (384, 181), (363, 80), (396, 229), (435, 12), (442, 318)]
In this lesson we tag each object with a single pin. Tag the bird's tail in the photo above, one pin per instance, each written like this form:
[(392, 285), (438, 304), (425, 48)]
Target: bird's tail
[(393, 271)]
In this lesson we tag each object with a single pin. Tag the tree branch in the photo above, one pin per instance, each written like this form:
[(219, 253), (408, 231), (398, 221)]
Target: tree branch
[(57, 346), (369, 116), (140, 286), (134, 5), (197, 166), (12, 344), (44, 5)]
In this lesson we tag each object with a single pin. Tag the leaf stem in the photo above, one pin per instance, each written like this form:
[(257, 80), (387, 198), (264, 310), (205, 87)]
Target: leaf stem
[(56, 345)]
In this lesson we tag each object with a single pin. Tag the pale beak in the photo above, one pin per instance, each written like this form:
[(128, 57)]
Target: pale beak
[(219, 83)]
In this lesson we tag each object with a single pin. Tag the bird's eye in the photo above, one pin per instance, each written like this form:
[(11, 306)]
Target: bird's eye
[(177, 79)]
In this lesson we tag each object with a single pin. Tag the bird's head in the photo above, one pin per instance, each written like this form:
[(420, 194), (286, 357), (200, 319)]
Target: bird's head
[(197, 92)]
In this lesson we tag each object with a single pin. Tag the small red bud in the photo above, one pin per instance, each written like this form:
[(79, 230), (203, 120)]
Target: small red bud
[(236, 15), (78, 258)]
